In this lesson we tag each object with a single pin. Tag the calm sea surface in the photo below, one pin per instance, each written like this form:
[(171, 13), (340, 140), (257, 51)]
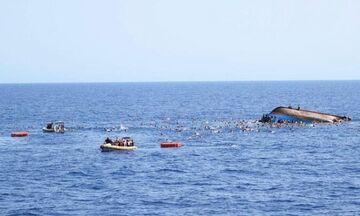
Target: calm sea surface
[(220, 170)]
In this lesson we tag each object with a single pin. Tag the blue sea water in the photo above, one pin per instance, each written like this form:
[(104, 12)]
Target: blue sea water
[(224, 170)]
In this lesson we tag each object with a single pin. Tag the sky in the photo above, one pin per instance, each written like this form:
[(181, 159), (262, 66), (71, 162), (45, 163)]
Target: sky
[(178, 40)]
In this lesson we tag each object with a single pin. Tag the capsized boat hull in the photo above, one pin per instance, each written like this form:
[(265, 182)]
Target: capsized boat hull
[(286, 114), (109, 147)]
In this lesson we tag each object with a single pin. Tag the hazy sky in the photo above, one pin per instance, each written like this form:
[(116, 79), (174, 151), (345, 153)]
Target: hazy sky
[(178, 40)]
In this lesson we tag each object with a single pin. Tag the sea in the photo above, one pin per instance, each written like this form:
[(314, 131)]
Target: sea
[(229, 163)]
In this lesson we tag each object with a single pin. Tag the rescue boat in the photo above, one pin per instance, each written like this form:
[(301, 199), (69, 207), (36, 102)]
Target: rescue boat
[(111, 147), (57, 127), (124, 144)]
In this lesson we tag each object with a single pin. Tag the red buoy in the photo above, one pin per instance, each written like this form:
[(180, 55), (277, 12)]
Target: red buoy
[(170, 145), (19, 134)]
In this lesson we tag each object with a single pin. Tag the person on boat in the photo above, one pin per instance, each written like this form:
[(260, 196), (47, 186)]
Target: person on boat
[(49, 126), (116, 142), (61, 128), (119, 142), (108, 140)]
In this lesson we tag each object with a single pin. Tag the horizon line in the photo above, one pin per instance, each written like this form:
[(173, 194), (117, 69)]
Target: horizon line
[(179, 81)]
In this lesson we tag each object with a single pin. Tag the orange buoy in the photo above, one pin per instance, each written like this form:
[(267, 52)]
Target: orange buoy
[(170, 145), (19, 134)]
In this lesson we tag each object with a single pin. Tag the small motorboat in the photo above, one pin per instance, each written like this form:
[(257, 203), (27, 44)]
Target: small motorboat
[(124, 144), (170, 145), (19, 134), (56, 127)]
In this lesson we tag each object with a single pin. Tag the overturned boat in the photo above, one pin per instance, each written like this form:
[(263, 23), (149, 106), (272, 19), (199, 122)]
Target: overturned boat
[(297, 115)]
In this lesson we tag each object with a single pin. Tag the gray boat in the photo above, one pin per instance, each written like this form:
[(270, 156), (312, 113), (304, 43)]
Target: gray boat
[(56, 127)]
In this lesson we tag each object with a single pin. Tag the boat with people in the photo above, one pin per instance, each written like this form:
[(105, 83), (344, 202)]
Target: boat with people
[(54, 127), (124, 143), (298, 115)]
